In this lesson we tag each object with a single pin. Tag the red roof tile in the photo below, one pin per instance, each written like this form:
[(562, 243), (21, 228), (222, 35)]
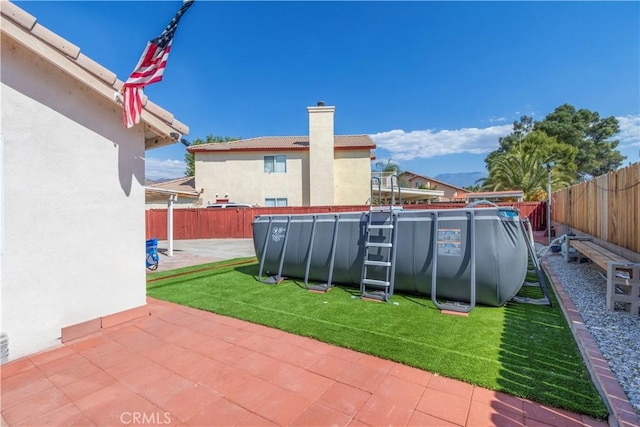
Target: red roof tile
[(270, 143)]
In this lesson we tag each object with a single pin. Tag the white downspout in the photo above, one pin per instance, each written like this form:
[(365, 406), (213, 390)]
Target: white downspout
[(172, 198)]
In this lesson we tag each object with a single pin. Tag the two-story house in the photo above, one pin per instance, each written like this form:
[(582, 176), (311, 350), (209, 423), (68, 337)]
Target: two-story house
[(449, 192), (315, 170)]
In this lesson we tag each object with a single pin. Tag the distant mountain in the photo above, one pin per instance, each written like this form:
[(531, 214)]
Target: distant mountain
[(464, 179)]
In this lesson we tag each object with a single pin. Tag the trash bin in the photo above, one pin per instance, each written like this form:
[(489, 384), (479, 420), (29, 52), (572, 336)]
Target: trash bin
[(152, 254)]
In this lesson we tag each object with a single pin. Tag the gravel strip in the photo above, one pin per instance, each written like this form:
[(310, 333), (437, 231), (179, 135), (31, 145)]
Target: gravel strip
[(617, 333)]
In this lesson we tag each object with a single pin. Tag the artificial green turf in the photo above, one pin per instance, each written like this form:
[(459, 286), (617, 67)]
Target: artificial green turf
[(521, 349)]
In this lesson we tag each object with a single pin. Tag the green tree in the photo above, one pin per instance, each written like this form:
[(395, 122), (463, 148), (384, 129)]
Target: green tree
[(189, 158), (589, 134), (520, 167), (520, 130)]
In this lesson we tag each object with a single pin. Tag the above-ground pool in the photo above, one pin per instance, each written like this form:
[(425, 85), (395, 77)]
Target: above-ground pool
[(401, 247)]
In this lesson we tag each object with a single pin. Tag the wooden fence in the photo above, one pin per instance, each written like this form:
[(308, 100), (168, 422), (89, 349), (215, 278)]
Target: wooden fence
[(607, 207), (203, 223)]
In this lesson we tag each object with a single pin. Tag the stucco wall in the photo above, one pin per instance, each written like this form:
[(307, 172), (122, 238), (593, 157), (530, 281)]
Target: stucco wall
[(73, 204), (321, 156), (241, 176), (352, 177)]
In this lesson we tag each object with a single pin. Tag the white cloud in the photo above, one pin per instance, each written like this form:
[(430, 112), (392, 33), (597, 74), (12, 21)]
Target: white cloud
[(629, 135), (432, 143), (497, 119), (157, 168)]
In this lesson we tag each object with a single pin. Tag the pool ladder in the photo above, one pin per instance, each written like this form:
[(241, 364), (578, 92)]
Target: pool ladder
[(437, 244), (379, 261)]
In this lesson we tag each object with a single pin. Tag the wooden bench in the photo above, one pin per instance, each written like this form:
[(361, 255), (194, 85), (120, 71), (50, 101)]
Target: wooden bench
[(623, 276)]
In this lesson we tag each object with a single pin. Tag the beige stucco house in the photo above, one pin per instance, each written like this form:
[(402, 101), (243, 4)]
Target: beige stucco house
[(449, 192), (315, 170), (72, 220)]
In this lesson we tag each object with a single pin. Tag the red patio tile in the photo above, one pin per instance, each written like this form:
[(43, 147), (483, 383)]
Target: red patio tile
[(74, 374), (14, 367), (164, 389), (344, 398), (501, 402), (295, 355), (35, 406), (132, 409), (258, 343), (88, 342), (231, 354), (139, 379), (253, 420), (410, 373), (255, 363), (23, 385), (379, 411), (548, 415), (377, 363), (51, 355), (419, 419), (162, 352), (319, 415), (88, 385), (134, 364), (444, 405), (399, 390), (211, 346), (363, 377), (106, 358), (110, 393), (200, 369), (282, 408), (182, 360), (220, 413), (72, 361), (451, 386), (292, 378), (344, 354), (251, 392), (62, 416), (190, 401), (330, 367), (481, 415), (224, 380)]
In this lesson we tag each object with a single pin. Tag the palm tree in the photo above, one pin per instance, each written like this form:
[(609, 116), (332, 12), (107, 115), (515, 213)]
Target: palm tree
[(520, 168)]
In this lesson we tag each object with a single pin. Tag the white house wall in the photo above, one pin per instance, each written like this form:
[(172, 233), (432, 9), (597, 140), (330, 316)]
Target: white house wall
[(241, 177), (73, 204)]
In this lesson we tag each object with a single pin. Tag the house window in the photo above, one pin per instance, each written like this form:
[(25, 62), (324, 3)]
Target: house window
[(417, 184), (276, 201), (275, 164)]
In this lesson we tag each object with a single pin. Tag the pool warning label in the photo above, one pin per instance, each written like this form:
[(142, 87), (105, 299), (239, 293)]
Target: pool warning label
[(449, 242)]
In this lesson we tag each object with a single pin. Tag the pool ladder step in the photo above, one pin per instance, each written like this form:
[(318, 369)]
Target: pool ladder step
[(378, 267)]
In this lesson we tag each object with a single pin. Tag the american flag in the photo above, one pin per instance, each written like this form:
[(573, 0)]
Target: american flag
[(150, 69)]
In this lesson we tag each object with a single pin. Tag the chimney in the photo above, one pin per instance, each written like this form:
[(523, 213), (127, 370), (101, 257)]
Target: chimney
[(321, 156)]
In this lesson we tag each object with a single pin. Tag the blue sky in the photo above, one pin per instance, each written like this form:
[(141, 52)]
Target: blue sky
[(434, 83)]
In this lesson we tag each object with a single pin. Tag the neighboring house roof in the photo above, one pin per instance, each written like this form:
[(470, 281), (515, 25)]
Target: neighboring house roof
[(160, 127), (496, 194), (280, 143), (183, 187), (415, 175)]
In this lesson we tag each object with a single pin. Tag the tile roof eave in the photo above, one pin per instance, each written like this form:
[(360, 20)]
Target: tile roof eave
[(23, 28)]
